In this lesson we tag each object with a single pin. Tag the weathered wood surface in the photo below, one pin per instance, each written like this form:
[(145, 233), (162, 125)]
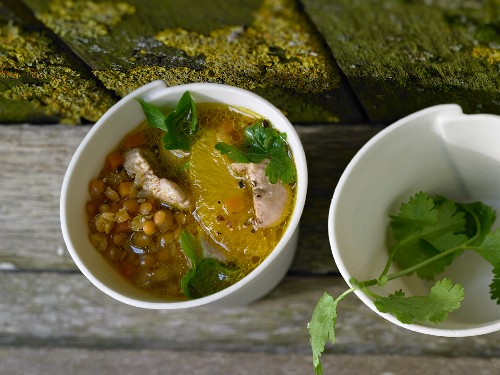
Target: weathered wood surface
[(33, 161), (163, 362), (39, 81), (401, 56), (42, 312), (267, 46), (53, 320)]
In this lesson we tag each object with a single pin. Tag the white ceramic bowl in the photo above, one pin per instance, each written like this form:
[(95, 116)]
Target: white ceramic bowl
[(438, 150), (105, 136)]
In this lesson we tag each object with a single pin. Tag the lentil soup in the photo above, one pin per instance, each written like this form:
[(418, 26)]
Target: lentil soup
[(139, 233)]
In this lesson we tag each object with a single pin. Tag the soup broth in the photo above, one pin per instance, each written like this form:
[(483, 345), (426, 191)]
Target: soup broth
[(140, 233)]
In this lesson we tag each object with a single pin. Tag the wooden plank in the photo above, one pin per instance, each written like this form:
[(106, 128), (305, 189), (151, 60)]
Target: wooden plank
[(39, 82), (267, 46), (27, 361), (34, 160), (64, 310), (401, 56)]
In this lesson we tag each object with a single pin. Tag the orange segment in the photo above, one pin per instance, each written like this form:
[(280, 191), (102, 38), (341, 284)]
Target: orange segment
[(224, 209)]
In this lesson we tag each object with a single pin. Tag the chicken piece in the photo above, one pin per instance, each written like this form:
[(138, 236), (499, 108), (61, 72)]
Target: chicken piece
[(269, 200), (167, 191)]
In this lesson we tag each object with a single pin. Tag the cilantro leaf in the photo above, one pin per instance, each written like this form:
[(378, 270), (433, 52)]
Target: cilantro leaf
[(444, 298), (495, 286), (264, 142), (490, 251), (234, 153), (478, 215), (417, 212), (180, 125), (322, 328), (424, 228)]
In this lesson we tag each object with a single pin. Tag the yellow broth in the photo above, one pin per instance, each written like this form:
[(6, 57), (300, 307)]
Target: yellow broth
[(139, 234)]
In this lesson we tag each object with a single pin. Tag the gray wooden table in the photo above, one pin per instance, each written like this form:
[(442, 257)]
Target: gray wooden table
[(53, 321)]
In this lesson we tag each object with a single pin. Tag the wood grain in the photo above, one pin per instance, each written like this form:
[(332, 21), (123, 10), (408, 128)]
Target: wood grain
[(402, 56), (64, 310), (29, 361), (34, 160)]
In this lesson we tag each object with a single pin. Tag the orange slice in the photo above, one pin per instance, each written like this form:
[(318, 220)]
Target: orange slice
[(224, 206)]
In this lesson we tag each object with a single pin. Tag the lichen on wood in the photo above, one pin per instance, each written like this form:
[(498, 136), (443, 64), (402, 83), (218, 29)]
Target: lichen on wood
[(84, 19), (38, 82), (267, 46), (401, 56)]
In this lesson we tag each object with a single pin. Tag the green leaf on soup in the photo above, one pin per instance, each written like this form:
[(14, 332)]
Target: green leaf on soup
[(233, 152), (180, 125), (264, 142), (206, 275), (154, 115)]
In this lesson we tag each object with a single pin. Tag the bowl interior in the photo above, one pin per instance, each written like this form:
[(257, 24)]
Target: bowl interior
[(105, 136), (438, 151)]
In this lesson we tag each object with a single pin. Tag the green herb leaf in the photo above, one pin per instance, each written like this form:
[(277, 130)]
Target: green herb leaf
[(322, 328), (189, 246), (206, 275), (424, 228), (495, 286), (181, 124), (262, 143), (444, 298), (212, 276), (234, 153), (490, 251)]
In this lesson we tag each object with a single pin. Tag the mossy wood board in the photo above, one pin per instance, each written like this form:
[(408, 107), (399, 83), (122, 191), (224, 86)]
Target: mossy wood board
[(266, 46), (401, 56), (38, 79)]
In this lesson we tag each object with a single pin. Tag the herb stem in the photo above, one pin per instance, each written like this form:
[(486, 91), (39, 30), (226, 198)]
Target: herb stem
[(406, 271)]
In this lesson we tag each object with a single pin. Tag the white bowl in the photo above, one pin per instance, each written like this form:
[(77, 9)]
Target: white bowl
[(438, 150), (105, 136)]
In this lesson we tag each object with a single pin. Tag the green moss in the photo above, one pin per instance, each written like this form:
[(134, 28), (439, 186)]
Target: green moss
[(279, 48), (82, 18), (34, 76)]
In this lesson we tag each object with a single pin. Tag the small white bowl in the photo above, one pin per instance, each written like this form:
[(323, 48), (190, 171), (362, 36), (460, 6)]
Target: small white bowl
[(438, 150), (106, 134)]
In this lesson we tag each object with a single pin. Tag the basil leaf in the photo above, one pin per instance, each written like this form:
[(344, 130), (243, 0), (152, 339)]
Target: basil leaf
[(154, 115), (181, 124)]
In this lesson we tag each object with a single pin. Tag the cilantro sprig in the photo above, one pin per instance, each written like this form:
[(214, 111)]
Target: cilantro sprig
[(179, 125), (206, 275), (264, 142), (429, 233)]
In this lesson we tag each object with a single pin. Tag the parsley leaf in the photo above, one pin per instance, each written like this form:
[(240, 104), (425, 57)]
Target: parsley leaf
[(179, 125), (264, 142), (444, 298), (206, 275)]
